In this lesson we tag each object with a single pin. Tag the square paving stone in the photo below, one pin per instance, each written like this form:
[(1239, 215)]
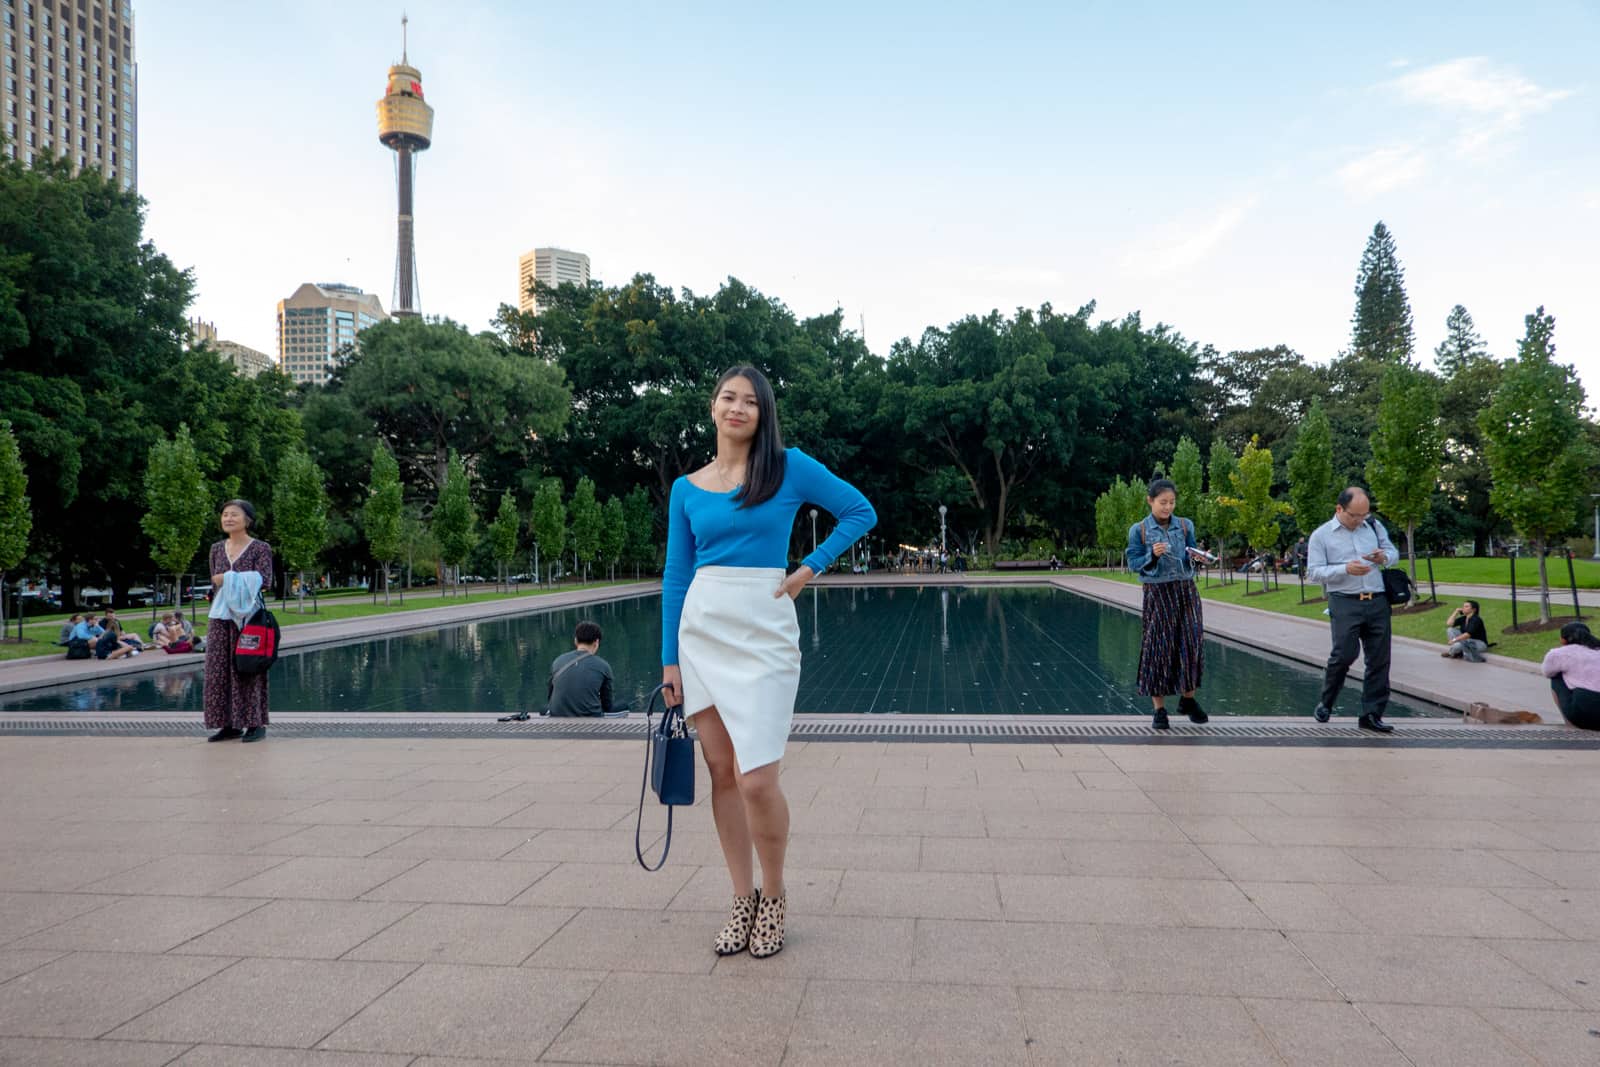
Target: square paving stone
[(1301, 906), (1445, 1037), (21, 960), (1085, 826), (462, 881), (292, 1003), (827, 946), (1261, 963), (299, 929), (1552, 1036), (1455, 868), (860, 852), (87, 993), (458, 843), (922, 894), (559, 816), (1128, 901), (184, 875), (140, 924), (606, 885), (1320, 1034), (1574, 912), (614, 939), (1569, 870), (1138, 859), (810, 892), (63, 871), (582, 846), (22, 914), (494, 1012), (338, 840), (465, 933), (1139, 1028), (64, 1052), (1448, 971), (897, 822), (353, 812), (953, 951), (892, 1023), (707, 1019), (321, 878), (1570, 967), (1440, 910), (986, 855), (457, 813), (1279, 863), (238, 1056)]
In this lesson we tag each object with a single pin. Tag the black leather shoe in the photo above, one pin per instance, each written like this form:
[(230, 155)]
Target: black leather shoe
[(226, 734), (255, 733), (1323, 713), (1160, 722), (1191, 707), (1375, 724)]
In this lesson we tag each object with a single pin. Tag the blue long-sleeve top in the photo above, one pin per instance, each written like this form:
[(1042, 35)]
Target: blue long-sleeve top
[(707, 529), (1175, 565)]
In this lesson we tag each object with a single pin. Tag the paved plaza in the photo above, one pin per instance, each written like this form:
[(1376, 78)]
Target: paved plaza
[(359, 902)]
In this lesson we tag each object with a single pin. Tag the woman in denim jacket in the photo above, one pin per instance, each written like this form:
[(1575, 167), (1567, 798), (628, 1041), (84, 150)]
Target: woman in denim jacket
[(1162, 552)]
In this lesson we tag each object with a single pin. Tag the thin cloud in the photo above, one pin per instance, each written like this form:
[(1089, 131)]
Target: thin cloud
[(1182, 246), (1383, 170), (1488, 101)]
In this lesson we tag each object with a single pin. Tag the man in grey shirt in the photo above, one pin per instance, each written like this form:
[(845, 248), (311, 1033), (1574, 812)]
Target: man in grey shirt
[(580, 681), (1345, 556)]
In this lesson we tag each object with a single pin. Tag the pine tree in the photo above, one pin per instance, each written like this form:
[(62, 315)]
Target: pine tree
[(300, 514), (549, 520), (1381, 326), (1312, 489), (1406, 450), (1537, 449), (614, 534), (588, 521), (1471, 376), (503, 533), (175, 497), (1461, 345), (381, 513), (455, 523)]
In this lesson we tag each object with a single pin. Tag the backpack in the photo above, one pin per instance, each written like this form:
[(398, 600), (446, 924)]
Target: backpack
[(256, 648), (78, 648)]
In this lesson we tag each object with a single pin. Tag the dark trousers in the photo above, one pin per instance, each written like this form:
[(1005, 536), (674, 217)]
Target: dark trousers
[(1359, 626), (1580, 707)]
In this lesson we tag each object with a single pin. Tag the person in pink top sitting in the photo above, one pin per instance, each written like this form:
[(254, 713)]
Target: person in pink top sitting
[(1573, 668)]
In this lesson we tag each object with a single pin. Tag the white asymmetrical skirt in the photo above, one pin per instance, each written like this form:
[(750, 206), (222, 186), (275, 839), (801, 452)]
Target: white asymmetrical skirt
[(739, 650)]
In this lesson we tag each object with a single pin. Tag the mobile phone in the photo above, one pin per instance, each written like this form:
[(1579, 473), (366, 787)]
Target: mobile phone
[(1204, 557)]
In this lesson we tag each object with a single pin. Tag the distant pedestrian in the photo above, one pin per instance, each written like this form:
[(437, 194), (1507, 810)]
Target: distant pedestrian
[(1573, 668), (1345, 556), (580, 681), (241, 567), (1465, 633), (1162, 551)]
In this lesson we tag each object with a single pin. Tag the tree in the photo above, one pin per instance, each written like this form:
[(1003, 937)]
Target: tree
[(1312, 488), (550, 520), (1537, 449), (178, 506), (1461, 346), (503, 533), (1188, 474), (1471, 376), (613, 534), (641, 546), (1254, 509), (299, 516), (1381, 326), (416, 541), (455, 523), (1404, 469), (381, 515), (588, 523), (16, 513), (1214, 518)]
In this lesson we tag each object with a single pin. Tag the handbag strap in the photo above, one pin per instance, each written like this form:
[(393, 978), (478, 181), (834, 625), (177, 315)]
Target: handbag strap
[(644, 785)]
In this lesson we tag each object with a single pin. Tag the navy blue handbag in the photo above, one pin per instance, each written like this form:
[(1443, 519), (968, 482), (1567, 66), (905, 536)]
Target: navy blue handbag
[(668, 769)]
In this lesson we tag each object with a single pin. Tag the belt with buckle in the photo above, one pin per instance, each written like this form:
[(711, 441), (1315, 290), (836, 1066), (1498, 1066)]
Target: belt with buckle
[(1356, 596)]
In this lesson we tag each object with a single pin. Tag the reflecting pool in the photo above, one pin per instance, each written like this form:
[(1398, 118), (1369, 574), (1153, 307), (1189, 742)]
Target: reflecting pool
[(887, 650)]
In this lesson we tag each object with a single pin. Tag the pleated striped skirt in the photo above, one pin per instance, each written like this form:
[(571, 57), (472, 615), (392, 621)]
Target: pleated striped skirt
[(1172, 652), (739, 650)]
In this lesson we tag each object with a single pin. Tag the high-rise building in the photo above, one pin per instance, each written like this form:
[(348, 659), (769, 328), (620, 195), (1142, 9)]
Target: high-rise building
[(71, 86), (318, 323), (405, 127), (548, 266), (247, 362)]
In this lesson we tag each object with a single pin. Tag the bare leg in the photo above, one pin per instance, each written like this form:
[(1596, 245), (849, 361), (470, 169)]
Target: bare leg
[(1189, 695), (1159, 703), (767, 812), (727, 805)]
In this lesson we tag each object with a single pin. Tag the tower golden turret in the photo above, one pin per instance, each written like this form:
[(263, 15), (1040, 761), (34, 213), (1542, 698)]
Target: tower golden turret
[(405, 126)]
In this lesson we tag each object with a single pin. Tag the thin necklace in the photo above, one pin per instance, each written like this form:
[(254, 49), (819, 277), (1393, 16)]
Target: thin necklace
[(727, 481)]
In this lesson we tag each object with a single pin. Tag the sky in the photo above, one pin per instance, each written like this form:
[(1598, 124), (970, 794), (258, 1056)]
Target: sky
[(1216, 167)]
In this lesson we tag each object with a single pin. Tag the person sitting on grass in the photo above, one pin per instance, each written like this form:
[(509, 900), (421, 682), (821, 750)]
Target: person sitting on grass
[(113, 625), (161, 632), (67, 628), (187, 635), (1573, 668), (85, 633), (1468, 639)]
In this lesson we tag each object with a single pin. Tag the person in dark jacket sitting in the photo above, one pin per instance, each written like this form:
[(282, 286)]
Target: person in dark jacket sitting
[(580, 681)]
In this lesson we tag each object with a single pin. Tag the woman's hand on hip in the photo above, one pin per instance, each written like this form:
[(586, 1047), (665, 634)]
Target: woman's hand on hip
[(795, 582), (672, 678)]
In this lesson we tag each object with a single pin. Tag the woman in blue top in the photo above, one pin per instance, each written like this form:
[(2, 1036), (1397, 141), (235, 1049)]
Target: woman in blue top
[(730, 642), (1162, 552)]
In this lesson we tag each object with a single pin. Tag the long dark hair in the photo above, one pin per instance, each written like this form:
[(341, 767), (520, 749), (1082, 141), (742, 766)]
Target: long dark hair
[(1576, 633), (763, 475)]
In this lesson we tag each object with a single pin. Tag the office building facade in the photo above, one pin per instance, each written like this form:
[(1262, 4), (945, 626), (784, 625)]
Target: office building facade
[(70, 85), (247, 362), (318, 323), (549, 266)]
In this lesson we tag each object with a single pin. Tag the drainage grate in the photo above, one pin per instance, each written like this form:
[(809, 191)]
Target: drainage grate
[(1285, 734)]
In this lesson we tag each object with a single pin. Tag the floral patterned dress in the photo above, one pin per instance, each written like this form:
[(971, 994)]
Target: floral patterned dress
[(234, 701)]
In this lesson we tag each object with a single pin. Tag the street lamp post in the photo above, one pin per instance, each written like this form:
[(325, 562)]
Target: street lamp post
[(942, 510), (1596, 554), (813, 530)]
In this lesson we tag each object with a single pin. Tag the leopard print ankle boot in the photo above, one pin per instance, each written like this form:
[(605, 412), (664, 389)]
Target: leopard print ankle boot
[(736, 935), (766, 939)]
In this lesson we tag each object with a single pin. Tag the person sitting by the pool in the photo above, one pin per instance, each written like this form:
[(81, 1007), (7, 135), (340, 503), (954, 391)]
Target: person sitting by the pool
[(1468, 638), (1162, 552), (67, 628), (1573, 668), (115, 632), (186, 629), (81, 642), (580, 681)]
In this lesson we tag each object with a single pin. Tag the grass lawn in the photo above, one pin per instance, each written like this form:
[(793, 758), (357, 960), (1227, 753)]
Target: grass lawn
[(1498, 572), (42, 633), (1426, 626)]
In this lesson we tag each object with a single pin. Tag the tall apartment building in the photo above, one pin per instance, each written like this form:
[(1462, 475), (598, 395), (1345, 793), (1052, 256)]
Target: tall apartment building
[(71, 86), (247, 362), (550, 266), (317, 323)]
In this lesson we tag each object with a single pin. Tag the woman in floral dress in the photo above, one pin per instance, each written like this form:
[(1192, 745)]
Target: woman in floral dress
[(236, 704)]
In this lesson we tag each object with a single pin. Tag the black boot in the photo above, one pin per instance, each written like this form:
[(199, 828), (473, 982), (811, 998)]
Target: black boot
[(1161, 722), (227, 733), (1191, 707), (1375, 723), (255, 733)]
